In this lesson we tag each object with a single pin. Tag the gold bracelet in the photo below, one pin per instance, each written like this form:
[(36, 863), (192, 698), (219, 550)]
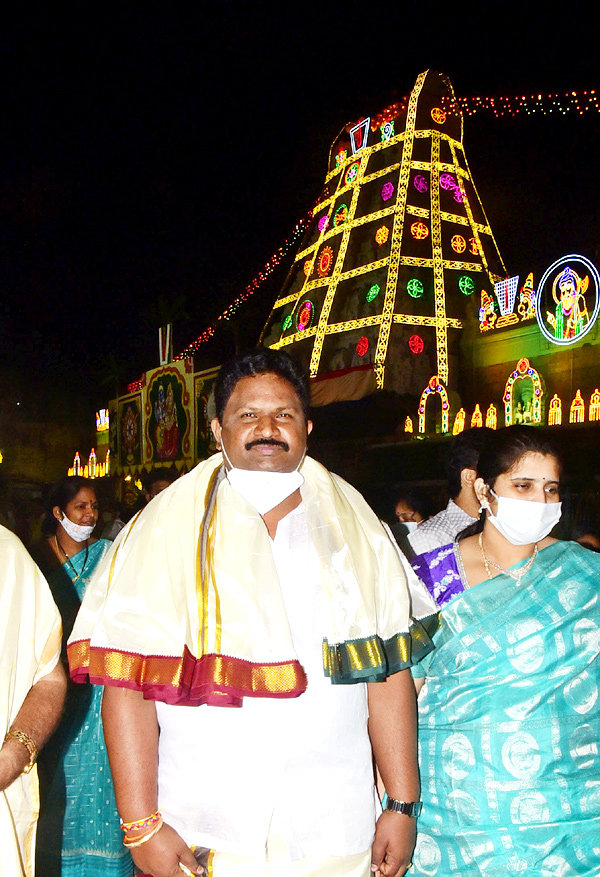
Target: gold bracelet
[(133, 842), (27, 742)]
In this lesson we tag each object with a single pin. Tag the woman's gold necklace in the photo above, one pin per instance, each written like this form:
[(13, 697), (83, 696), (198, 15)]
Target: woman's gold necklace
[(516, 574), (68, 559)]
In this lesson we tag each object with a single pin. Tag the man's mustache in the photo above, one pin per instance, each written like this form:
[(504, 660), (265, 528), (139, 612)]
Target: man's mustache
[(267, 441)]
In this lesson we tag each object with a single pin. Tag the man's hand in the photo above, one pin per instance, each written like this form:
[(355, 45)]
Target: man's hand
[(161, 855), (394, 843)]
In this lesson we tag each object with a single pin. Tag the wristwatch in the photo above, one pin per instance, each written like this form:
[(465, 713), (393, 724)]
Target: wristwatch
[(412, 808)]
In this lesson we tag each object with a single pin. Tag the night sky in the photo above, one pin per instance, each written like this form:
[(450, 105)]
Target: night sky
[(159, 150)]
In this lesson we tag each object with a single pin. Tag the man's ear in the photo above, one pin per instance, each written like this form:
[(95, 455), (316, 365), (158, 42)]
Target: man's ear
[(468, 477), (216, 431), (309, 426)]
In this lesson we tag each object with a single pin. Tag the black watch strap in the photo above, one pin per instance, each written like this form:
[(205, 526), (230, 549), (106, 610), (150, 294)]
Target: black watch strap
[(409, 808)]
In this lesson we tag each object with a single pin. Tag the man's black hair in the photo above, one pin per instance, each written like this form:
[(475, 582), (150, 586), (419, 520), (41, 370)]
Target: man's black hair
[(464, 454), (259, 361), (160, 474)]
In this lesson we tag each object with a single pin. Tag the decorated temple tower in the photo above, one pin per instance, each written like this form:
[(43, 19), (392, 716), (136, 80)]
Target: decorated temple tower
[(396, 258)]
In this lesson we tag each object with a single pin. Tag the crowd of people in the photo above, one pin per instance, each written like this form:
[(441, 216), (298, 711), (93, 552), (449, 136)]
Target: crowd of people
[(266, 680)]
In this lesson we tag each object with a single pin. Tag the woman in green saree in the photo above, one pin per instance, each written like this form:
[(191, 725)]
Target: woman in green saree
[(79, 832), (509, 714)]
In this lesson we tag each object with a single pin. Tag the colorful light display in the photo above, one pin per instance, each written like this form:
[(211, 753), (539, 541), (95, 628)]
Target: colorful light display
[(415, 288), (459, 421), (577, 413), (555, 411), (415, 342), (408, 424), (382, 234), (373, 292), (477, 417), (325, 260), (341, 215), (362, 345), (434, 386), (458, 243), (305, 315), (595, 406), (466, 284), (491, 417), (419, 231), (359, 135), (420, 183), (387, 191), (409, 170), (523, 395), (568, 299)]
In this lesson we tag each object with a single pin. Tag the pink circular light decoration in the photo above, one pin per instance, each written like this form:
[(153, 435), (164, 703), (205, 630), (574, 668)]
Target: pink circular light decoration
[(447, 182), (387, 191), (323, 222), (420, 183), (415, 342), (362, 345), (458, 195), (305, 315)]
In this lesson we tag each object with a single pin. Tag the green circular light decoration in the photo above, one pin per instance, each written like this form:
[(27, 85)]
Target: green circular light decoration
[(373, 292), (341, 215), (415, 288), (466, 285), (287, 323)]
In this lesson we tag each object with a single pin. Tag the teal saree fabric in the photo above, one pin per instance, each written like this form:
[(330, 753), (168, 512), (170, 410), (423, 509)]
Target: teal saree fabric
[(79, 833), (509, 726)]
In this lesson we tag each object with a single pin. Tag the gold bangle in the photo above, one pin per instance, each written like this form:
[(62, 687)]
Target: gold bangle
[(130, 843), (28, 743)]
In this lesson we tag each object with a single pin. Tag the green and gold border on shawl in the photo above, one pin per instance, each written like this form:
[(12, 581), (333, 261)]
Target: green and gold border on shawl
[(372, 659)]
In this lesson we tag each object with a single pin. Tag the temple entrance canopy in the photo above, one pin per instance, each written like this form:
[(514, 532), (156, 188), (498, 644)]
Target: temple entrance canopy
[(399, 250)]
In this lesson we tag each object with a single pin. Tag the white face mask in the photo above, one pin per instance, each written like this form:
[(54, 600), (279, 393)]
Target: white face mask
[(410, 525), (522, 521), (263, 490), (78, 532)]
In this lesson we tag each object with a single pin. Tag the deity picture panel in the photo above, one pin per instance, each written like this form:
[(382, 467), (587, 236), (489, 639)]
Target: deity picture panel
[(167, 418), (129, 432), (568, 299), (203, 388)]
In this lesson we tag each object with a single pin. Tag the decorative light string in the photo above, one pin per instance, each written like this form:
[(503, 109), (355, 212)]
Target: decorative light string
[(252, 287)]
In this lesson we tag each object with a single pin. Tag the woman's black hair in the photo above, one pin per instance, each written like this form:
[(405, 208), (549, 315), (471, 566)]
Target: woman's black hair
[(61, 493), (502, 450)]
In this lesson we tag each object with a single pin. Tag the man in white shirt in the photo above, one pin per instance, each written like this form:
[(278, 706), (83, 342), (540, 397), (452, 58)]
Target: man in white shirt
[(293, 580), (463, 506)]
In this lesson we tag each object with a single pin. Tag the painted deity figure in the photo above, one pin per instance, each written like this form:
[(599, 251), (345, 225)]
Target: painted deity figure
[(487, 314), (571, 314), (167, 428)]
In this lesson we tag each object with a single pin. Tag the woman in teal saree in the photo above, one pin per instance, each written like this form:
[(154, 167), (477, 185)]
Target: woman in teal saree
[(509, 715), (79, 832)]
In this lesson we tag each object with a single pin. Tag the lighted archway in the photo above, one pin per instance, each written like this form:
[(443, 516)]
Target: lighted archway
[(477, 417), (595, 405), (555, 411), (491, 417), (459, 421), (434, 386), (577, 414), (523, 407)]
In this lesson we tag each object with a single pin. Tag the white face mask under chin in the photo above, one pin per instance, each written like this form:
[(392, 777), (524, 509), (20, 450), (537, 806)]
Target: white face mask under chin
[(411, 526), (78, 532), (263, 490), (521, 521)]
